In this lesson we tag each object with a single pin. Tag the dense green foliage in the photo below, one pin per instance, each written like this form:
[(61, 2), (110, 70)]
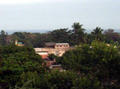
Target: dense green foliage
[(99, 60), (90, 65), (16, 60), (57, 80)]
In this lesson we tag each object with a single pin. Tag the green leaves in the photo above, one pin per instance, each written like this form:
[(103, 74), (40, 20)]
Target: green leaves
[(57, 80), (99, 60), (16, 60)]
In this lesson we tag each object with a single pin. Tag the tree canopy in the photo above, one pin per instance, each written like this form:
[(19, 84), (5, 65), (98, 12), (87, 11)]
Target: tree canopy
[(92, 63), (16, 60), (99, 60)]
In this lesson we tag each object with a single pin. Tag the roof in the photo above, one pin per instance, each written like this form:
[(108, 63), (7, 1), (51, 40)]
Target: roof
[(20, 42), (56, 65), (62, 43), (50, 44)]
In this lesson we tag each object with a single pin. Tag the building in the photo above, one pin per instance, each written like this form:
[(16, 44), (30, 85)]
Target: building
[(48, 62), (19, 43), (57, 49), (57, 67)]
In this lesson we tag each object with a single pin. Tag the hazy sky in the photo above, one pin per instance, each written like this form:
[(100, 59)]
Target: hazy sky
[(26, 15)]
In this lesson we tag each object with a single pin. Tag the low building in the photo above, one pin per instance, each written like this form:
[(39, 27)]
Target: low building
[(57, 49), (19, 43), (56, 67), (48, 62)]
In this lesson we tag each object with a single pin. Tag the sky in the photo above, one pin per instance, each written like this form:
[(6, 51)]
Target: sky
[(44, 15)]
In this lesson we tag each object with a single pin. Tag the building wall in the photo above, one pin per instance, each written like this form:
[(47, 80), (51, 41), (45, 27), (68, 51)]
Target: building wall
[(18, 43), (44, 55), (58, 50), (62, 46)]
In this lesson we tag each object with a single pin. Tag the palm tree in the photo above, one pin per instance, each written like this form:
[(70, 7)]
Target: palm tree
[(78, 33), (97, 33)]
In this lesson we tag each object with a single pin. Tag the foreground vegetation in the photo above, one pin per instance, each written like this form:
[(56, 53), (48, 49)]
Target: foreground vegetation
[(94, 63), (88, 66), (97, 60)]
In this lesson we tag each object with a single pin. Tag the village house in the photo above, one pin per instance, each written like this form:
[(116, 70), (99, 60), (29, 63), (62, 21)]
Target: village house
[(57, 49), (19, 43)]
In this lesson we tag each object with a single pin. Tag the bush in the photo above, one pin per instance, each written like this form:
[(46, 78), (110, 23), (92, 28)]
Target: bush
[(57, 80), (100, 60), (16, 60)]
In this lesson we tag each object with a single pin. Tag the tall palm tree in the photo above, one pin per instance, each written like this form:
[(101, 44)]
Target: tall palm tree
[(97, 33)]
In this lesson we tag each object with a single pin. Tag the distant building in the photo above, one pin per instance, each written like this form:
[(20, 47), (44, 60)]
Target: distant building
[(57, 45), (57, 49), (48, 62), (19, 43), (57, 67)]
